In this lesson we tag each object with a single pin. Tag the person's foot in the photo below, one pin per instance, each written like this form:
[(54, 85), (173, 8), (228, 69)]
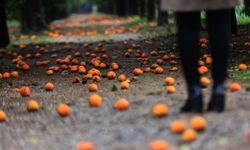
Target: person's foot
[(194, 103), (217, 102)]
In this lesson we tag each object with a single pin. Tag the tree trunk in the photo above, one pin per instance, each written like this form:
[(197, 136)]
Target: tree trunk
[(162, 15), (132, 7), (142, 8), (151, 10), (247, 7), (121, 8), (33, 16), (162, 18), (4, 35)]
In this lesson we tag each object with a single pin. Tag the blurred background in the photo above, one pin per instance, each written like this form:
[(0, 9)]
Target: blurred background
[(29, 16)]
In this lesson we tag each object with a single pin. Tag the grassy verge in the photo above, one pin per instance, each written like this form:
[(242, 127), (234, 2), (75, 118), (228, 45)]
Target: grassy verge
[(234, 73)]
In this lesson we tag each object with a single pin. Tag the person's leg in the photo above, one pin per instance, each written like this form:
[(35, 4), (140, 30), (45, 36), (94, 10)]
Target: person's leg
[(234, 28), (218, 22), (188, 36)]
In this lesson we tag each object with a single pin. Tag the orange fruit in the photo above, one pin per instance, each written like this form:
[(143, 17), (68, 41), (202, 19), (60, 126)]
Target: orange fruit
[(50, 72), (85, 145), (14, 74), (234, 87), (189, 135), (3, 116), (242, 66), (95, 100), (63, 110), (121, 104), (49, 86), (96, 78), (5, 75), (205, 81), (25, 91), (160, 110), (202, 69), (159, 70), (111, 75), (114, 66), (178, 126), (137, 71), (171, 89), (32, 105), (92, 87), (198, 123), (26, 67), (122, 77), (158, 145), (124, 85), (209, 60), (169, 81)]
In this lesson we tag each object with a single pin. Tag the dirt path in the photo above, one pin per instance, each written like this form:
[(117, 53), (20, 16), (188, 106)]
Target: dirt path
[(106, 127)]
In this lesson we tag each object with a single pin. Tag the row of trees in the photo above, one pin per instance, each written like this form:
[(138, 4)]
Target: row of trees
[(35, 15), (149, 9)]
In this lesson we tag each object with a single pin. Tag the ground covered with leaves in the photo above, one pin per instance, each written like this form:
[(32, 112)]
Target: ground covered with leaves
[(80, 51)]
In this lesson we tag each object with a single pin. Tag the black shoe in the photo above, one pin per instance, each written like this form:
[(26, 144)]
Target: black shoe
[(193, 104), (217, 103)]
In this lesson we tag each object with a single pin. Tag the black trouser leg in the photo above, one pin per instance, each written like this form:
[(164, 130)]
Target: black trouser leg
[(218, 23), (234, 28), (219, 29), (188, 36)]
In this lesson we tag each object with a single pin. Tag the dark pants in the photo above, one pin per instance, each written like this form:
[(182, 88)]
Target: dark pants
[(218, 24)]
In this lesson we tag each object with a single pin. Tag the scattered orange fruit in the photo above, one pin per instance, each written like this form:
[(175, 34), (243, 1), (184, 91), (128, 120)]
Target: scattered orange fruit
[(25, 91), (92, 87), (14, 74), (158, 145), (242, 66), (205, 81), (32, 105), (178, 126), (159, 70), (169, 81), (202, 69), (122, 77), (50, 72), (63, 110), (198, 123), (3, 116), (160, 110), (85, 145), (234, 87), (111, 75), (122, 104), (5, 75), (49, 86), (124, 85), (137, 71), (171, 89), (95, 100), (189, 135)]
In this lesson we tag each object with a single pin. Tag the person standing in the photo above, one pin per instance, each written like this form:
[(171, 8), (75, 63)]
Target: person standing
[(219, 30)]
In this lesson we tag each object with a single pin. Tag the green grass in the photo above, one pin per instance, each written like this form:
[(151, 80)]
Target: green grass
[(242, 20), (148, 33), (239, 75)]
